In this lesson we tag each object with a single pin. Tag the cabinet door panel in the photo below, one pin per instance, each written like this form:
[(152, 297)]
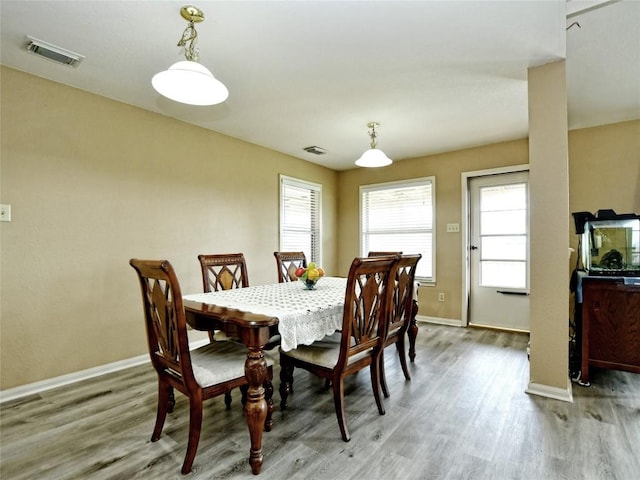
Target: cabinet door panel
[(611, 325)]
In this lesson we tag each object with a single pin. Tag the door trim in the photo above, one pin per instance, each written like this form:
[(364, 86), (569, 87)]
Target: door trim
[(465, 178)]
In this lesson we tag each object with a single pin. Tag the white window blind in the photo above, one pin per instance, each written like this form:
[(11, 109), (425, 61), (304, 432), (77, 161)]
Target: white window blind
[(399, 216), (300, 217)]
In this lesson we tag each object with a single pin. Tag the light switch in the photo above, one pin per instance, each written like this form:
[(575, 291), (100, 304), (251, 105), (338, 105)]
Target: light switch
[(453, 227), (5, 213)]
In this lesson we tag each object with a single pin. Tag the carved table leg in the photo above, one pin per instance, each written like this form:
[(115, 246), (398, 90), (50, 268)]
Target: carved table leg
[(413, 332), (255, 410), (268, 394)]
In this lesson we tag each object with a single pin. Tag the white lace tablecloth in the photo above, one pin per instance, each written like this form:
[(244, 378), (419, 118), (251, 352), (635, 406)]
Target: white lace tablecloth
[(305, 316)]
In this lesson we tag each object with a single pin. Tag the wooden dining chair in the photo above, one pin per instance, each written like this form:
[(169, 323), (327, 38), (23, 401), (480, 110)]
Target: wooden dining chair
[(402, 310), (223, 271), (288, 263), (368, 306), (200, 374), (382, 254)]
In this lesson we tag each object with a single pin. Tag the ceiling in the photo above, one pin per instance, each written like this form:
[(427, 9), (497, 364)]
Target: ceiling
[(436, 75)]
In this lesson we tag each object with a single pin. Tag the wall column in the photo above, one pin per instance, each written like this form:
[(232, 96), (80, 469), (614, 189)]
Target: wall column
[(549, 224)]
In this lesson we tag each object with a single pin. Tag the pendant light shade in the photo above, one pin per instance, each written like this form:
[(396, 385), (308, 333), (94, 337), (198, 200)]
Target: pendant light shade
[(374, 157), (188, 81)]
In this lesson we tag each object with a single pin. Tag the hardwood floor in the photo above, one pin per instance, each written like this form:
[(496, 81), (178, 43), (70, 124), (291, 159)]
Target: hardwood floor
[(464, 415)]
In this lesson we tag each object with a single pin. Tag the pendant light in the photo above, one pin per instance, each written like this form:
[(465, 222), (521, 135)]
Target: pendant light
[(188, 81), (373, 157)]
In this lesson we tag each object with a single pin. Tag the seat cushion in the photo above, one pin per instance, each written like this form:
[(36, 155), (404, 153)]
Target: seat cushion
[(324, 352), (220, 362), (335, 337), (394, 330)]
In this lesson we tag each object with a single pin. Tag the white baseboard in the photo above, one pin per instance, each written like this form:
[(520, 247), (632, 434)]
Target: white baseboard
[(440, 321), (55, 382), (556, 393)]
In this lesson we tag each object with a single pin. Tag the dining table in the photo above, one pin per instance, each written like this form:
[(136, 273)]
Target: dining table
[(299, 315), (254, 314)]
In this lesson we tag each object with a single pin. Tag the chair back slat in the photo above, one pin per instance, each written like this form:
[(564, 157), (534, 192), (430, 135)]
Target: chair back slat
[(165, 319), (288, 263), (223, 271), (403, 292), (368, 305)]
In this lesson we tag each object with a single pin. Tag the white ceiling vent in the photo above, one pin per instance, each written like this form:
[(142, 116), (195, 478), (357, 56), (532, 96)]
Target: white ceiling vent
[(51, 52)]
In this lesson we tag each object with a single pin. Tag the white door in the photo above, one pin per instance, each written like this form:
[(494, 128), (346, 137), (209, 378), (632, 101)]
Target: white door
[(499, 251)]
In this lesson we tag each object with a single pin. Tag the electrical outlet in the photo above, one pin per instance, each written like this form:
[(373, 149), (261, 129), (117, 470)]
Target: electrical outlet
[(441, 297), (5, 213)]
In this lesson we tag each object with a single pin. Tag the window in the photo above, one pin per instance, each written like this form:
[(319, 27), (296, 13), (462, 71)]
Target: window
[(503, 236), (399, 216), (300, 217)]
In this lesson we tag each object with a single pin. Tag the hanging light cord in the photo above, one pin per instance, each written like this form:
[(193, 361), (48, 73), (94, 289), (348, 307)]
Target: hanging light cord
[(188, 41), (373, 134)]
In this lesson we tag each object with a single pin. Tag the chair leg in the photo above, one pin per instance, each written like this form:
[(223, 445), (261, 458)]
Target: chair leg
[(268, 396), (195, 424), (227, 399), (172, 400), (375, 383), (164, 394), (413, 332), (403, 358), (383, 378), (286, 379), (338, 400)]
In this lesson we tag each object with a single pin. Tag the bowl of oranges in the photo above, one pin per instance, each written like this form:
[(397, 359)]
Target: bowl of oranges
[(310, 275)]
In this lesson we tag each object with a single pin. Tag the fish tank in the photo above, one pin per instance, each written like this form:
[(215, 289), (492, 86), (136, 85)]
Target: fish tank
[(609, 243)]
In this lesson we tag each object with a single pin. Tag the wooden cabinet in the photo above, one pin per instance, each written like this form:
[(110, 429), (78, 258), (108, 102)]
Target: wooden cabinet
[(610, 325)]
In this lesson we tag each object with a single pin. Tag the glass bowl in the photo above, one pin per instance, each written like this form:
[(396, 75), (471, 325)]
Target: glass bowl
[(309, 284)]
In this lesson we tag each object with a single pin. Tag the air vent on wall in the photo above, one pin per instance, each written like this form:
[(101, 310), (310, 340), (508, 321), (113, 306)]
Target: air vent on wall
[(315, 150), (51, 52)]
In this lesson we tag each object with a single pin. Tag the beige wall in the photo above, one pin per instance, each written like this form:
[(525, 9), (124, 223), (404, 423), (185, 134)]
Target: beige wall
[(604, 170), (92, 183), (447, 169)]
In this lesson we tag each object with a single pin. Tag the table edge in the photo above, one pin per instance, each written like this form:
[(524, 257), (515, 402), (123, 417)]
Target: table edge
[(229, 315)]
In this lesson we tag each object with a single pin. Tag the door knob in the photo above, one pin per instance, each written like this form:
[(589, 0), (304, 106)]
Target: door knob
[(473, 247)]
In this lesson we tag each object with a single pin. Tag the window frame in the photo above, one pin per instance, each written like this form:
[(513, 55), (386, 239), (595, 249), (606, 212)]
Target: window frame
[(431, 181), (284, 181)]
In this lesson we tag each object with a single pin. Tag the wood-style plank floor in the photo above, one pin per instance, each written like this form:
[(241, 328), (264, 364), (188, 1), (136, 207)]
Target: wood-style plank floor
[(464, 415)]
